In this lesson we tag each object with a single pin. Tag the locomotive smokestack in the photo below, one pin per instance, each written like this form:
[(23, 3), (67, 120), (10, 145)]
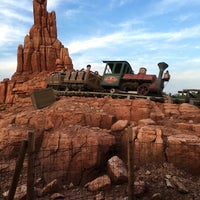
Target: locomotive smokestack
[(162, 66), (160, 83)]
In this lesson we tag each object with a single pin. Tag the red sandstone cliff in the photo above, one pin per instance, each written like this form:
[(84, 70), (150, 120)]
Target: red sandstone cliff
[(41, 53), (164, 132)]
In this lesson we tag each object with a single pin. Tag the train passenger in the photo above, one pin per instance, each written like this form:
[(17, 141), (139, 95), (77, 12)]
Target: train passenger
[(166, 76), (88, 68)]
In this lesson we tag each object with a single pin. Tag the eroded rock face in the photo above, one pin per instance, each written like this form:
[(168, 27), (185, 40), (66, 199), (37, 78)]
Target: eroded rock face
[(41, 53), (41, 47), (78, 149), (183, 150), (74, 123)]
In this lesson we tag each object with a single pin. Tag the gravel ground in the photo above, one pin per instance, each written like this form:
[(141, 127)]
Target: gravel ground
[(151, 182)]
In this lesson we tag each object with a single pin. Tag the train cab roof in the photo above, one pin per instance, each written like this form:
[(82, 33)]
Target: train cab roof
[(117, 66), (116, 61)]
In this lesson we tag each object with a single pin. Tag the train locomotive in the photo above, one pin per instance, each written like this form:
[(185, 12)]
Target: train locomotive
[(118, 77)]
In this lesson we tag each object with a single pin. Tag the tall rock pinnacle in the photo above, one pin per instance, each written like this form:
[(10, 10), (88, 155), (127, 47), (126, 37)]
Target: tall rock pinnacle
[(42, 51)]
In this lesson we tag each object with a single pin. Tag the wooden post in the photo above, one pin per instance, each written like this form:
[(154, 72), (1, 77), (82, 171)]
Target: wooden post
[(30, 172), (18, 169), (130, 164)]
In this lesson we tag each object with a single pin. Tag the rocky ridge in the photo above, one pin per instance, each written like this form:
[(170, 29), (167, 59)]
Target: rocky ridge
[(96, 127)]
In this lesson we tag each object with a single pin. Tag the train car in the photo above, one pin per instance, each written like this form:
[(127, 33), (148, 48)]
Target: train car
[(118, 77), (75, 80)]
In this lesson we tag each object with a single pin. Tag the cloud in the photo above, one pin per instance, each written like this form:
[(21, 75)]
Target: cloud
[(184, 17), (168, 6), (133, 37), (190, 32), (12, 27), (118, 3), (169, 3), (53, 4), (95, 42), (11, 4), (70, 13), (9, 35), (14, 16), (7, 67)]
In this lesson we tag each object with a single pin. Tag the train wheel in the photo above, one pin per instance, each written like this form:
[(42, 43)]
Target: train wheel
[(143, 89), (128, 87)]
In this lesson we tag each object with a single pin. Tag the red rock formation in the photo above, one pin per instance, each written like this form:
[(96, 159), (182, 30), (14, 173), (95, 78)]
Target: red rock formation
[(178, 124), (78, 126), (42, 52), (42, 49)]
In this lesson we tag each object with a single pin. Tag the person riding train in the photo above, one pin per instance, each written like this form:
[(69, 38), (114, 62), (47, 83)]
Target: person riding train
[(166, 76)]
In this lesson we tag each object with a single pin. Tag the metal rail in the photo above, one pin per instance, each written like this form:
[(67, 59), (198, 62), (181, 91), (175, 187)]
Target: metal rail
[(112, 95)]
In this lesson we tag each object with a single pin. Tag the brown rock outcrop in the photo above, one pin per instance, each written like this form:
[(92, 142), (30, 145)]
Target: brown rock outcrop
[(41, 53), (78, 124), (82, 152), (183, 150), (41, 47)]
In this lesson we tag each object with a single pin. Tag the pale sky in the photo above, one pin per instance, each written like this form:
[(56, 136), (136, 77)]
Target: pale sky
[(143, 32)]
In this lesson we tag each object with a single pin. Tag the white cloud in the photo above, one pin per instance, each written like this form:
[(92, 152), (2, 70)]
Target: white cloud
[(52, 4), (7, 68), (178, 3), (70, 13), (133, 37), (10, 34), (116, 3), (95, 42), (14, 16), (11, 4), (167, 6), (189, 32), (184, 17)]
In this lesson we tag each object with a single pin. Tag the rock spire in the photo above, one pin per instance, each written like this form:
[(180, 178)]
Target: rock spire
[(41, 54), (42, 51)]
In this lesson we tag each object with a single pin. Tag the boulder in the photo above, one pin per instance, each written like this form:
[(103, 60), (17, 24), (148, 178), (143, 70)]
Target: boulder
[(49, 188), (99, 183), (117, 170), (119, 125)]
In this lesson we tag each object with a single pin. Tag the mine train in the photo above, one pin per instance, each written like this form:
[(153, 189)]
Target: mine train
[(118, 76)]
